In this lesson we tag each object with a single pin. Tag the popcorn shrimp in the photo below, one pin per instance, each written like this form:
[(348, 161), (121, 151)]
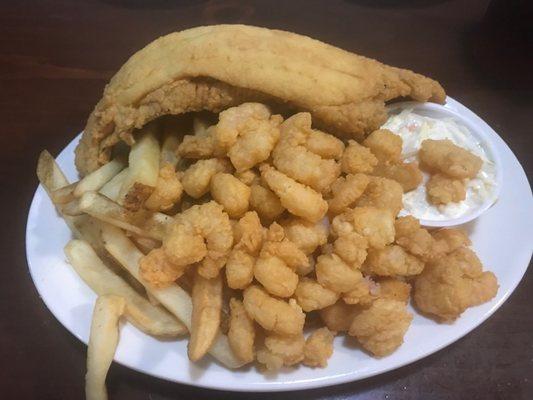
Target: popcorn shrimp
[(450, 159), (357, 159), (265, 202), (382, 193), (307, 236), (197, 178), (335, 274), (167, 192), (345, 192), (408, 175), (441, 189), (318, 348), (385, 145), (231, 193), (311, 295)]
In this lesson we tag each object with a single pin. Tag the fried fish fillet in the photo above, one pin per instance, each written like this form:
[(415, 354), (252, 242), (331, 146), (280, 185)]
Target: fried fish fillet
[(214, 67)]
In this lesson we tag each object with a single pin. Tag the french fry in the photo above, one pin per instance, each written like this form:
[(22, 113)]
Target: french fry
[(98, 178), (152, 320), (145, 244), (71, 208), (49, 173), (103, 343), (64, 194), (172, 297), (143, 168), (169, 149), (206, 308), (199, 125), (153, 226), (112, 188)]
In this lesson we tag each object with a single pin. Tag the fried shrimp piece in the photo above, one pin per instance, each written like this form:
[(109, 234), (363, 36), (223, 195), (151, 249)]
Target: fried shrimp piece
[(241, 333), (335, 274), (265, 202), (248, 177), (200, 234), (413, 238), (324, 144), (294, 158), (376, 225), (157, 269), (318, 348), (394, 289), (200, 145), (345, 192), (352, 248), (273, 314), (385, 145), (382, 193), (338, 317), (380, 328), (364, 294), (299, 199), (197, 177), (392, 260), (452, 160), (357, 159), (443, 190), (451, 284), (231, 193), (311, 295), (451, 239), (279, 351), (408, 175), (167, 192), (307, 236), (248, 239)]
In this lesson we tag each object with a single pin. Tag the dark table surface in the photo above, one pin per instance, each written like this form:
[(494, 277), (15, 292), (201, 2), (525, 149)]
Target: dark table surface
[(56, 56)]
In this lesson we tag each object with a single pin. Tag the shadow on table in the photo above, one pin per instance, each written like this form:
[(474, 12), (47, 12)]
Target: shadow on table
[(397, 3)]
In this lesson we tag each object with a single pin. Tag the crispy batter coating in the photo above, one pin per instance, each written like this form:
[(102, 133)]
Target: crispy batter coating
[(308, 236), (335, 274), (239, 269), (338, 317), (279, 351), (248, 233), (382, 193), (157, 269), (200, 145), (395, 289), (364, 294), (241, 333), (167, 192), (392, 260), (318, 348), (357, 159), (275, 276), (376, 225), (452, 160), (294, 158), (441, 189), (413, 238), (248, 176), (380, 328), (451, 284), (324, 144), (385, 145), (451, 239), (197, 177), (201, 233), (406, 174), (265, 202), (352, 248), (311, 295), (231, 193), (345, 191), (273, 314), (299, 199)]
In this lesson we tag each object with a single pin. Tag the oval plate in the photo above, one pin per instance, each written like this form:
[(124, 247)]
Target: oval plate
[(501, 237)]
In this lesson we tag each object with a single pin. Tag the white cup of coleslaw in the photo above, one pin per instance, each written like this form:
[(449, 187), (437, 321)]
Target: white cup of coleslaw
[(482, 191)]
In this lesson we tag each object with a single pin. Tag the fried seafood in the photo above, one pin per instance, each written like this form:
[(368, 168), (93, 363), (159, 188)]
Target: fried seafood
[(385, 145), (335, 274), (167, 191), (408, 175), (231, 193), (392, 260), (311, 295), (197, 178), (382, 193), (318, 348), (345, 192), (307, 236), (446, 157), (281, 350), (443, 190), (265, 202), (357, 159)]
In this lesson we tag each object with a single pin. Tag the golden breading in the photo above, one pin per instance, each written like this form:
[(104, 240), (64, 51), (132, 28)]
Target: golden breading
[(345, 192), (157, 269), (357, 159), (248, 233), (382, 193), (273, 314), (248, 176), (308, 236), (352, 248), (241, 333), (318, 348), (231, 193), (364, 294), (338, 317), (197, 178), (413, 238), (380, 328), (451, 284), (376, 225), (299, 199), (167, 192), (311, 295), (395, 289), (324, 144), (443, 190), (451, 239), (335, 274), (408, 175), (239, 269), (385, 145), (275, 276), (199, 145), (392, 260), (444, 156), (279, 351), (292, 157), (265, 202)]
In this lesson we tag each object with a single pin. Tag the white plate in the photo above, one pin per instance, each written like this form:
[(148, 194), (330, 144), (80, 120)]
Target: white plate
[(502, 238)]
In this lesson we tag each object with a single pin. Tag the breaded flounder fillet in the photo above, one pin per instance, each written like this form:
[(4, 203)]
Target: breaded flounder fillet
[(215, 67)]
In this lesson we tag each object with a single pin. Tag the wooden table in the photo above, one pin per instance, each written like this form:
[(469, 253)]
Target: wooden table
[(56, 56)]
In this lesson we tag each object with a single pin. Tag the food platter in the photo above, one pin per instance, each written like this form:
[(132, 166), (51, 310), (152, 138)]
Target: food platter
[(500, 237)]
